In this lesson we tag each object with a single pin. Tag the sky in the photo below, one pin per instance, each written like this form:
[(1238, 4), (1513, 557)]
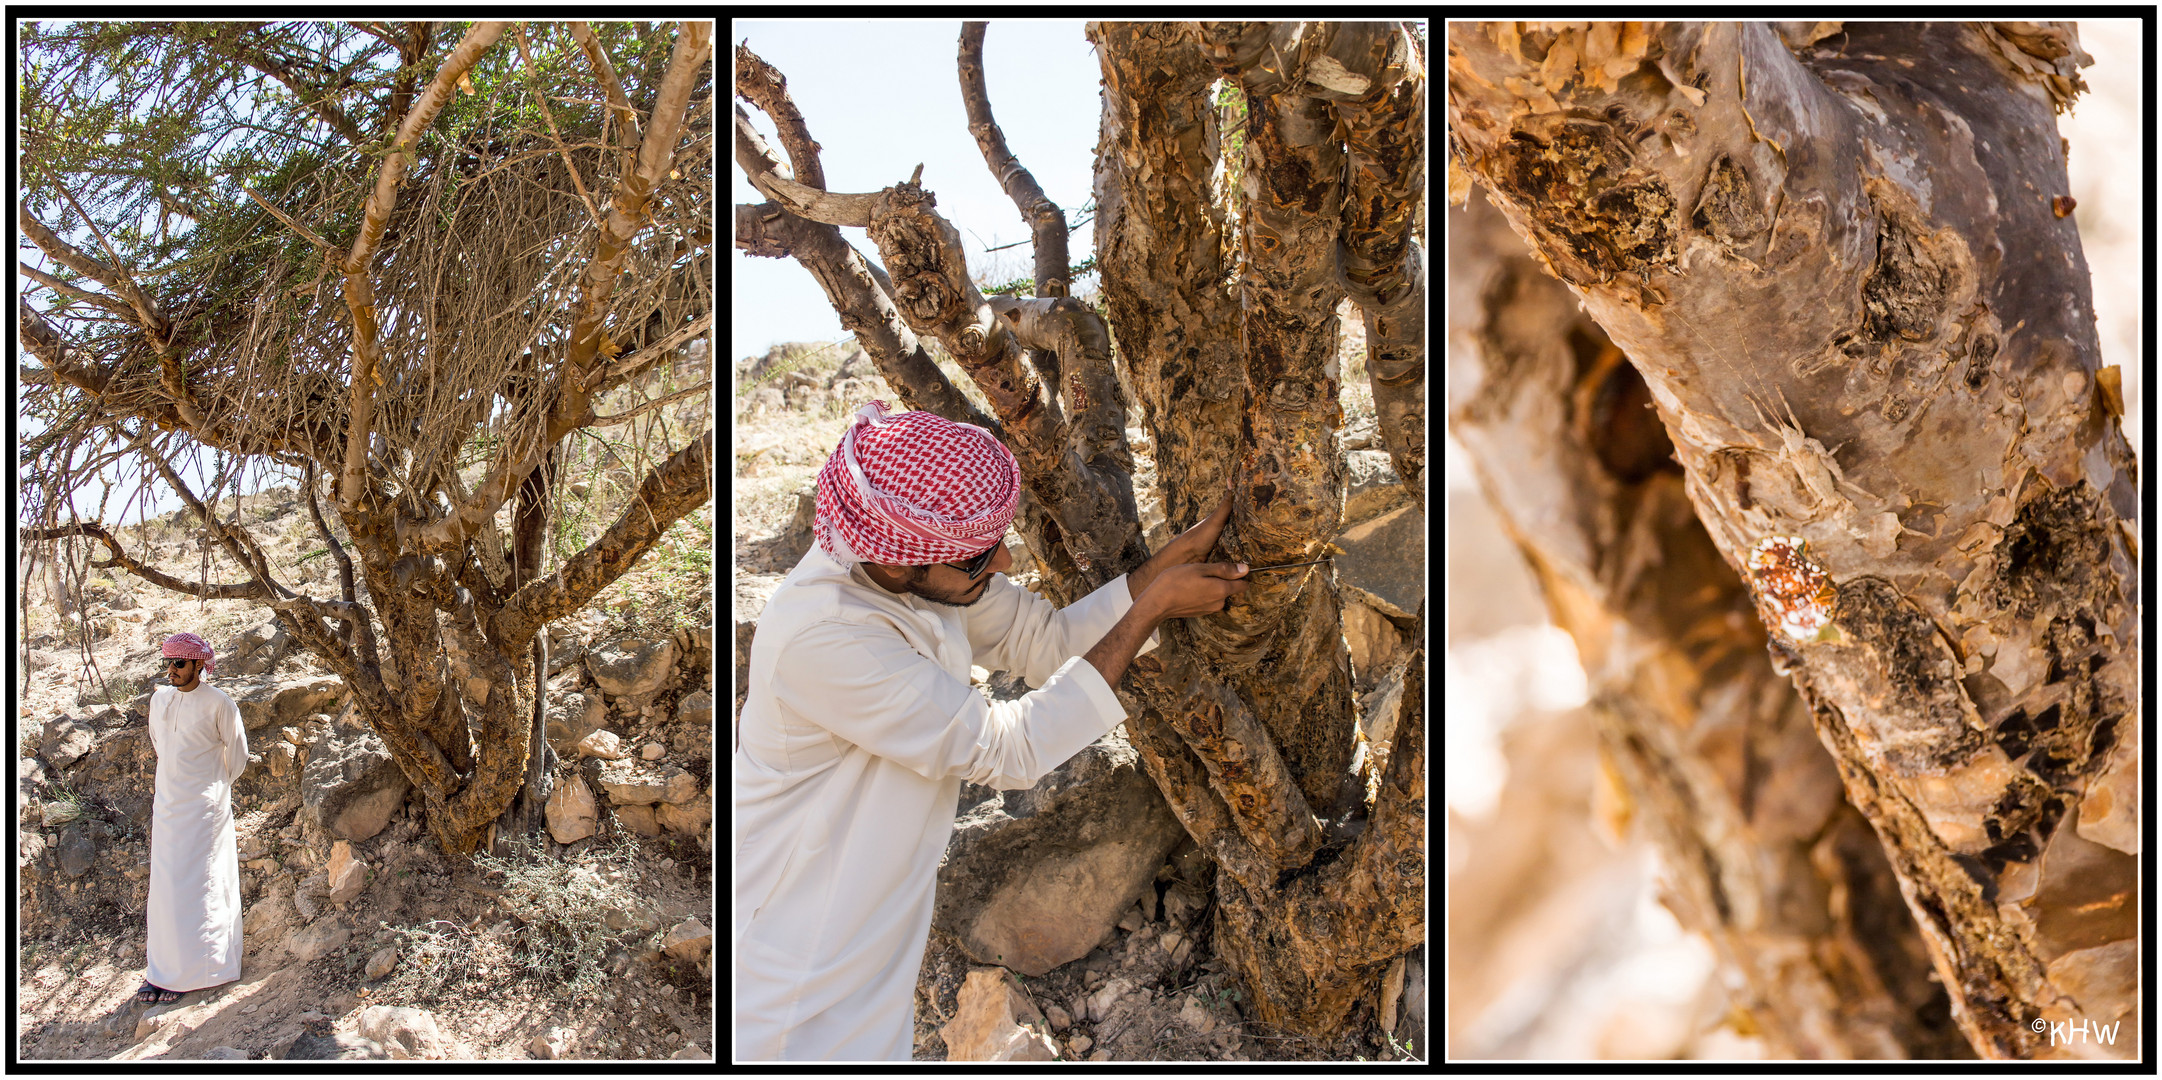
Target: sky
[(880, 97)]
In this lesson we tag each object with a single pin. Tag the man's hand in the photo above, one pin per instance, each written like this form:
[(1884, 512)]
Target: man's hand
[(1180, 591), (1194, 589), (1192, 546)]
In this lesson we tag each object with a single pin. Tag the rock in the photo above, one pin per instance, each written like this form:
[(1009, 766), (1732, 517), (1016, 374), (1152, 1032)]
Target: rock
[(693, 1053), (604, 744), (78, 849), (1384, 562), (1106, 996), (554, 1044), (280, 758), (1411, 1019), (1371, 486), (1360, 435), (572, 717), (688, 941), (349, 785), (225, 1053), (317, 939), (1058, 1018), (653, 751), (696, 708), (630, 784), (688, 818), (1194, 1016), (1182, 904), (66, 741), (1373, 642), (1036, 878), (413, 1031), (1080, 1044), (631, 666), (256, 650), (339, 1047), (572, 812), (285, 701), (795, 538), (159, 1016), (382, 962), (987, 1022), (347, 874), (1392, 989), (639, 819)]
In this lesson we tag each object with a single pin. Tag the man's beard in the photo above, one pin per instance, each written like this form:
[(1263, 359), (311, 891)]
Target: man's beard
[(982, 590)]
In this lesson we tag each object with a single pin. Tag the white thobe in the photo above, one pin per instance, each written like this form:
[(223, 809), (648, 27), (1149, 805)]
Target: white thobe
[(858, 729), (194, 911)]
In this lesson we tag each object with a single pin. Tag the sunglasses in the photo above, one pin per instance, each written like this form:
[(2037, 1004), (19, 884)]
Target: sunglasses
[(178, 663), (975, 567)]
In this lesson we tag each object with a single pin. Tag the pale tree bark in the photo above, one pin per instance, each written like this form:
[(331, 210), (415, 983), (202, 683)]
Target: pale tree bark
[(1837, 258), (1244, 720), (1708, 751)]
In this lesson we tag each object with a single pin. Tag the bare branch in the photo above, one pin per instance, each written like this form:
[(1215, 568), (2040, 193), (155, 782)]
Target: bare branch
[(554, 135), (649, 406), (305, 232), (359, 291), (619, 105), (68, 255), (65, 289), (246, 590), (317, 98)]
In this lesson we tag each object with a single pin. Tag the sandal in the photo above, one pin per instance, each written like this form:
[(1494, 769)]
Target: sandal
[(156, 995)]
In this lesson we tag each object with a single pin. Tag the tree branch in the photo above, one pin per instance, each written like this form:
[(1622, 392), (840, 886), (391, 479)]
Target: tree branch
[(318, 99), (648, 406), (678, 486), (359, 290), (246, 590), (305, 232)]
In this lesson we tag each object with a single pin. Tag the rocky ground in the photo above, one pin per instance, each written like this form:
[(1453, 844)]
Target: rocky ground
[(1153, 990), (362, 939)]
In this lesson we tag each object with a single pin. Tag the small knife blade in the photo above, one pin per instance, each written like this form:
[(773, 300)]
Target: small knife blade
[(1284, 566)]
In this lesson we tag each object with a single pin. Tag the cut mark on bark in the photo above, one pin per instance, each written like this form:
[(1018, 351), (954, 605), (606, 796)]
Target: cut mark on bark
[(1727, 209), (1590, 224), (1917, 274)]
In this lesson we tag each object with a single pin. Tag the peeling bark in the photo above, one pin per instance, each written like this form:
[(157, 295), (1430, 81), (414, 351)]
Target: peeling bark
[(1838, 271)]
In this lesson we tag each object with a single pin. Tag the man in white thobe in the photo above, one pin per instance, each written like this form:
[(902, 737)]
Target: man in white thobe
[(194, 909), (860, 724)]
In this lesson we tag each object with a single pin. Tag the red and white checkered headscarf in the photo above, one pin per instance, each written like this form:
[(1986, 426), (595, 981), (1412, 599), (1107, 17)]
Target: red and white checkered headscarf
[(190, 647), (914, 488)]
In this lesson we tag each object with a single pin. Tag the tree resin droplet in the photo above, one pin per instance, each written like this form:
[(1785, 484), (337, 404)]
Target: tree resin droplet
[(1793, 587)]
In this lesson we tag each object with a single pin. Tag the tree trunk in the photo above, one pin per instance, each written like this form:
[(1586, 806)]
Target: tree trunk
[(1245, 720), (1715, 755), (1838, 264)]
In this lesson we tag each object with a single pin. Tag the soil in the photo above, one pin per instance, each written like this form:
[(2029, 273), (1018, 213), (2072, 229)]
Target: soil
[(82, 960)]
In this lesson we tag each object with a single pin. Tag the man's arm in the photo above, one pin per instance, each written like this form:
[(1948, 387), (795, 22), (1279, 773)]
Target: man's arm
[(1117, 649), (1177, 592)]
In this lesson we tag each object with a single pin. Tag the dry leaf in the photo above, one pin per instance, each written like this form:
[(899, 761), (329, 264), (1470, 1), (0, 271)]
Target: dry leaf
[(465, 82), (608, 347)]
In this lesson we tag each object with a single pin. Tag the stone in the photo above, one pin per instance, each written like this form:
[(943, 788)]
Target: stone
[(631, 785), (631, 666), (689, 940), (1392, 989), (225, 1053), (318, 939), (1384, 562), (1373, 642), (696, 709), (639, 819), (303, 1046), (477, 688), (280, 758), (78, 849), (1080, 1044), (1194, 1016), (382, 962), (348, 875), (572, 813), (1106, 996), (653, 751), (987, 1023), (688, 818), (412, 1030), (680, 787), (553, 1045), (604, 744), (1371, 486), (66, 740), (693, 1053), (1060, 1021), (277, 702), (350, 785), (1036, 878)]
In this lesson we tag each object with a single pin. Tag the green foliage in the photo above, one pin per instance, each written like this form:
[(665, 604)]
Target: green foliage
[(1027, 286)]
